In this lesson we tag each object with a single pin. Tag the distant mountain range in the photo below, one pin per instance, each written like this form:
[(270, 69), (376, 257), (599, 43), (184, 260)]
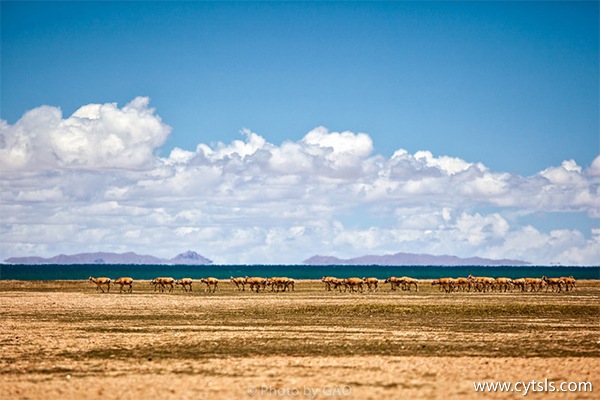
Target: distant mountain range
[(187, 258), (193, 258), (410, 259)]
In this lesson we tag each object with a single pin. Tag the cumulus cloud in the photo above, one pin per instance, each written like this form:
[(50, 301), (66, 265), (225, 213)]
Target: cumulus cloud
[(95, 181), (94, 136)]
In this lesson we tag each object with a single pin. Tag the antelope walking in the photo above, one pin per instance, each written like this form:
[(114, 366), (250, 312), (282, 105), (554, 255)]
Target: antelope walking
[(100, 282)]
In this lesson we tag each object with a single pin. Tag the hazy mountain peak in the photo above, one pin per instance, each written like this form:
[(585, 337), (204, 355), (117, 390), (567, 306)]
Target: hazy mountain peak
[(188, 257), (409, 259)]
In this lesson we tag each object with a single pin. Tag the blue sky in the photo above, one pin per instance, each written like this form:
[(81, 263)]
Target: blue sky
[(513, 86), (510, 84)]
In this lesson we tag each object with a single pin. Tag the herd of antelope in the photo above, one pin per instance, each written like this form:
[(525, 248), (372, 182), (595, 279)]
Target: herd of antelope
[(283, 284), (485, 284), (163, 284), (276, 284), (371, 284)]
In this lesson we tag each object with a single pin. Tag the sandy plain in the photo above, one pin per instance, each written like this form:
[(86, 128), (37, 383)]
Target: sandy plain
[(63, 339)]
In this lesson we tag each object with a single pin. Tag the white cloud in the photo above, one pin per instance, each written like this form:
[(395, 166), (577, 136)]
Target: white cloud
[(94, 181), (477, 229), (594, 169), (448, 165), (290, 158), (338, 145), (45, 195), (237, 148), (568, 174), (95, 136), (179, 156)]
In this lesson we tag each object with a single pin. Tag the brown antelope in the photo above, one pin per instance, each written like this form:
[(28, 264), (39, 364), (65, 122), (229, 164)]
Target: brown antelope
[(503, 284), (404, 282), (256, 283), (286, 284), (392, 281), (372, 284), (327, 282), (569, 283), (555, 283), (238, 282), (100, 282), (354, 284), (408, 282), (124, 281), (271, 283), (162, 283), (482, 283), (535, 284), (463, 284), (210, 282), (184, 283), (446, 284), (280, 284), (521, 283), (290, 284), (332, 283)]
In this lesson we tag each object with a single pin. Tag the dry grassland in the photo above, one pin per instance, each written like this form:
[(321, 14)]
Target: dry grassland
[(62, 339)]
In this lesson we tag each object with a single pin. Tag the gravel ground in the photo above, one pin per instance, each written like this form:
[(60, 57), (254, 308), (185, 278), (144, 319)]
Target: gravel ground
[(65, 340)]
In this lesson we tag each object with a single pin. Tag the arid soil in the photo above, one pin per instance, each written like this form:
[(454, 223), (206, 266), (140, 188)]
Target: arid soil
[(64, 339)]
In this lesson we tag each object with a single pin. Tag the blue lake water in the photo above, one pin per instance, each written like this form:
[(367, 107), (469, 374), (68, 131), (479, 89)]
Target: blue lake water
[(83, 271)]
